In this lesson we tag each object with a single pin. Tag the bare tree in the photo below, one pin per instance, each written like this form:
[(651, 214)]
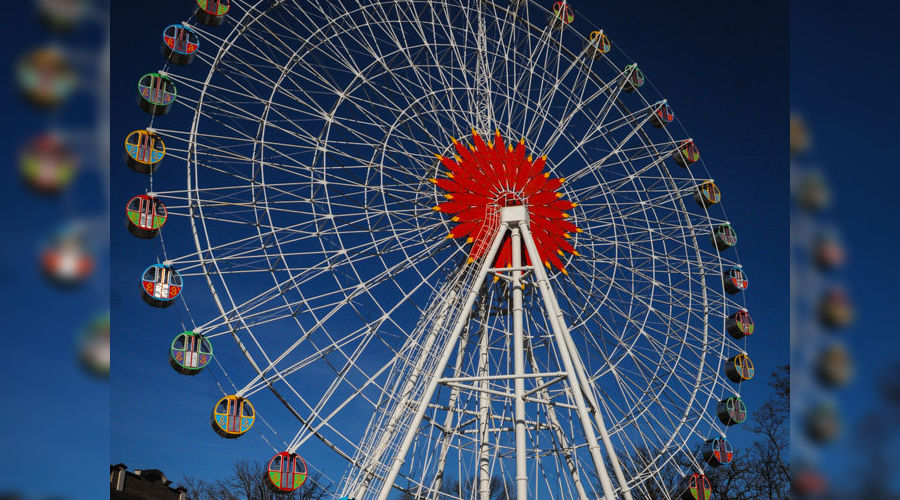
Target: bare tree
[(759, 472), (499, 490), (733, 481), (248, 481), (770, 453)]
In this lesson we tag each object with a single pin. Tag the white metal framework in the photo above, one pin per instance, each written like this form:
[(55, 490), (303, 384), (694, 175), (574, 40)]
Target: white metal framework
[(308, 201)]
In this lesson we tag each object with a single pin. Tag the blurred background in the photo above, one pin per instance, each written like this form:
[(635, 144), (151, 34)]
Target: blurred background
[(54, 422), (844, 342)]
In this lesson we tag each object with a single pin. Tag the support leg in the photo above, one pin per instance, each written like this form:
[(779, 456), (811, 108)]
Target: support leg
[(595, 406), (484, 405), (547, 294), (446, 352), (519, 367)]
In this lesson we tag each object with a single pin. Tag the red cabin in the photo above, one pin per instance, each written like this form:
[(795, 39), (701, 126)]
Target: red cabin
[(145, 215), (212, 12), (686, 153), (740, 324), (562, 15), (286, 472), (697, 487), (66, 258), (829, 252)]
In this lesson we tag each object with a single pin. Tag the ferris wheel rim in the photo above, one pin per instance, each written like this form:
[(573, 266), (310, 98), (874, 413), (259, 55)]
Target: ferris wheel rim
[(235, 306)]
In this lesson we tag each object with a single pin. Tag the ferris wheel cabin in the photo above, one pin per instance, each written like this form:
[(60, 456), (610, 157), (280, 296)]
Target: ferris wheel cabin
[(143, 151), (829, 252), (632, 78), (739, 324), (718, 451), (47, 165), (232, 417), (735, 280), (696, 487), (834, 366), (180, 44), (145, 215), (561, 15), (190, 353), (731, 411), (160, 285), (723, 237), (66, 259), (597, 44), (286, 472), (739, 368), (156, 93), (835, 308), (661, 115), (686, 153), (707, 194), (46, 78), (822, 423), (212, 12), (61, 16), (93, 346)]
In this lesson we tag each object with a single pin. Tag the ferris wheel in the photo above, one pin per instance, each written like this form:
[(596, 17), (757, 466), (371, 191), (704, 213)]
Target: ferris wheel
[(479, 231)]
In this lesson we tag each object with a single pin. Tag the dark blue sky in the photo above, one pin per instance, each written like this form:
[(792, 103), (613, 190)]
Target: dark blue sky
[(723, 67), (853, 143), (53, 411)]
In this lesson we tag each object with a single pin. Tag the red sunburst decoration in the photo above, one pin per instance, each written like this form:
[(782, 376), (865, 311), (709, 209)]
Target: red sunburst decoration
[(485, 177)]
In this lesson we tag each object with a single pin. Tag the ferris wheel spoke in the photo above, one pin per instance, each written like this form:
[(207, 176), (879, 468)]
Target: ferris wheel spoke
[(610, 90), (347, 292), (580, 80), (555, 81), (424, 77), (627, 156), (628, 318), (619, 149)]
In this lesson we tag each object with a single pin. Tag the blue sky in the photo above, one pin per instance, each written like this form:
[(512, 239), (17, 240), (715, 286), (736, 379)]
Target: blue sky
[(853, 146), (51, 405), (723, 68)]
